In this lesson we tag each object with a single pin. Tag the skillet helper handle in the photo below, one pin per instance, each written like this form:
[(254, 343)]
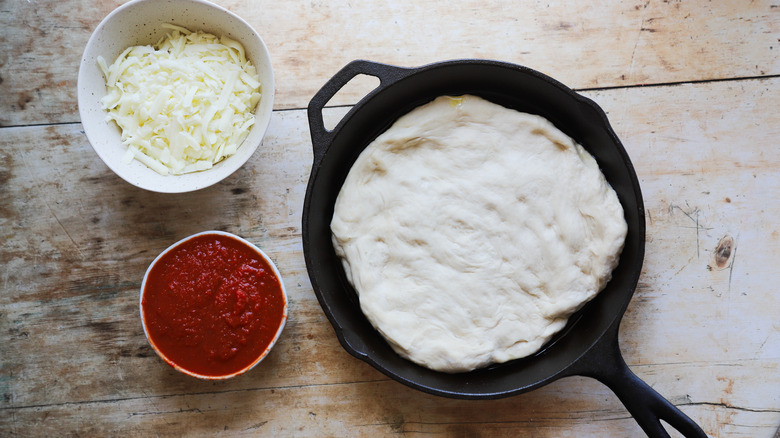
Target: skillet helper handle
[(321, 137), (605, 363)]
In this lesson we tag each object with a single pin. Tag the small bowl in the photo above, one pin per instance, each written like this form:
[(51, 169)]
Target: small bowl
[(180, 322), (138, 22)]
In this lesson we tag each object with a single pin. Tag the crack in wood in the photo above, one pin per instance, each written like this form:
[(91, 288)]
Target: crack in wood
[(176, 411), (189, 394), (736, 408)]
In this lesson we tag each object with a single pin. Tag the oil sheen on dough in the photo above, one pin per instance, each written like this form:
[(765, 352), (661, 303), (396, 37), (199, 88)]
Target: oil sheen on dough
[(471, 232)]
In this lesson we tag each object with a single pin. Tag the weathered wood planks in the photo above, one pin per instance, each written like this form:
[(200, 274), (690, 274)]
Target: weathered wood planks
[(701, 329), (583, 44)]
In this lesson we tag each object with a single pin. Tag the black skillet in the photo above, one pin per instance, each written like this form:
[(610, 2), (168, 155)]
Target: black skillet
[(588, 345)]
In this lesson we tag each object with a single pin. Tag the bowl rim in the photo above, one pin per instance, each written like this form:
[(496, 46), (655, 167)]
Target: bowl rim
[(138, 174), (270, 346)]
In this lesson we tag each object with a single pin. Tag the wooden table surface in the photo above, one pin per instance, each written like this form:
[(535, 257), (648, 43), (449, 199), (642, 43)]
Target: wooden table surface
[(692, 88)]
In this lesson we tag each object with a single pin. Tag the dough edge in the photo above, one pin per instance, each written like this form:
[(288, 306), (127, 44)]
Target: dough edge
[(424, 338)]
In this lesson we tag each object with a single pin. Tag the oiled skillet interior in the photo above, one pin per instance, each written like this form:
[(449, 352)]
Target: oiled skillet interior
[(588, 344)]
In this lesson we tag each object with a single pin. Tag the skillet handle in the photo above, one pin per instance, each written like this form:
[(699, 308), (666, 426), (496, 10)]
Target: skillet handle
[(605, 363), (321, 137)]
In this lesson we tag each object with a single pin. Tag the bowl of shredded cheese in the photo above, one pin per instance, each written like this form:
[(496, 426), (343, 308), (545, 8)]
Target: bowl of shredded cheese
[(175, 95)]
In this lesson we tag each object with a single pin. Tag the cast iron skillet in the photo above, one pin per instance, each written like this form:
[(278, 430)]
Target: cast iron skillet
[(588, 346)]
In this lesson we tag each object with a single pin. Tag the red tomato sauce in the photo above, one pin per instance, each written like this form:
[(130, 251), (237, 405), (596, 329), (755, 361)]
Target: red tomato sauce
[(212, 306)]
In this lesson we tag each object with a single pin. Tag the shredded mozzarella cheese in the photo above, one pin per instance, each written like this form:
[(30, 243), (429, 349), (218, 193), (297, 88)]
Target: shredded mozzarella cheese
[(183, 104)]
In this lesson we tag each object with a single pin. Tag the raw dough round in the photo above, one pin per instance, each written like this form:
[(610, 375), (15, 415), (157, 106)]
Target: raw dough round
[(471, 232)]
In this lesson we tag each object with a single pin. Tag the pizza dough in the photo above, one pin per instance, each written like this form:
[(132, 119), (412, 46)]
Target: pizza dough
[(471, 232)]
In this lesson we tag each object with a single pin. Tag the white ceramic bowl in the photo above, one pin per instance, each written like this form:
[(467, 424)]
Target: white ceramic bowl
[(278, 324), (138, 22)]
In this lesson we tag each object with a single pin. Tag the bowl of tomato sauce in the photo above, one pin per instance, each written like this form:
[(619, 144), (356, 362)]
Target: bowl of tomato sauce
[(213, 305)]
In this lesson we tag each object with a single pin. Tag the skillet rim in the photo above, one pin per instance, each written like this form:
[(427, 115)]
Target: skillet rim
[(391, 77)]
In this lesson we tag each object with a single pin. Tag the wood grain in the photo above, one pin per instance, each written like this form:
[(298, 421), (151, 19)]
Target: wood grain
[(75, 240), (702, 327), (583, 44)]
